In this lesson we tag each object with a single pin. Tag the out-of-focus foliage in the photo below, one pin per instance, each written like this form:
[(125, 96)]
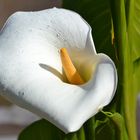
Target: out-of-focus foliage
[(98, 14)]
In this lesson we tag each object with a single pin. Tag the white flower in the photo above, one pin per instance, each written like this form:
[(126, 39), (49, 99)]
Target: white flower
[(31, 73)]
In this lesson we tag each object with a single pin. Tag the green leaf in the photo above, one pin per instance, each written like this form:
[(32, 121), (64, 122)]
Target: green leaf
[(134, 42), (134, 28), (119, 124), (104, 130), (44, 130), (40, 130)]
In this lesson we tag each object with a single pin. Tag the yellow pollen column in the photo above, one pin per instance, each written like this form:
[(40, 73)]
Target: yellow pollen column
[(71, 73)]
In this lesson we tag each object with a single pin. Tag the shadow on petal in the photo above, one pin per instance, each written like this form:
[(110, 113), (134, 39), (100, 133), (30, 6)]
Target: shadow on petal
[(53, 71)]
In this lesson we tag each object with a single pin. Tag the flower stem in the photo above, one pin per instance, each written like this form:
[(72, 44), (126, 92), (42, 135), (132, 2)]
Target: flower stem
[(89, 129), (125, 66), (81, 134), (71, 136)]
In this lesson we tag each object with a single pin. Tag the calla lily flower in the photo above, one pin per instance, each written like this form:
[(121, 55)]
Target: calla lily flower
[(31, 71)]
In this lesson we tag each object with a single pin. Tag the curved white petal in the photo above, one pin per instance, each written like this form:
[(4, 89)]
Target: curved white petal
[(31, 69)]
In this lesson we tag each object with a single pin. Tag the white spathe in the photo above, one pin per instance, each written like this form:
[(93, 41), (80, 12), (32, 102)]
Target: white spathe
[(31, 74)]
